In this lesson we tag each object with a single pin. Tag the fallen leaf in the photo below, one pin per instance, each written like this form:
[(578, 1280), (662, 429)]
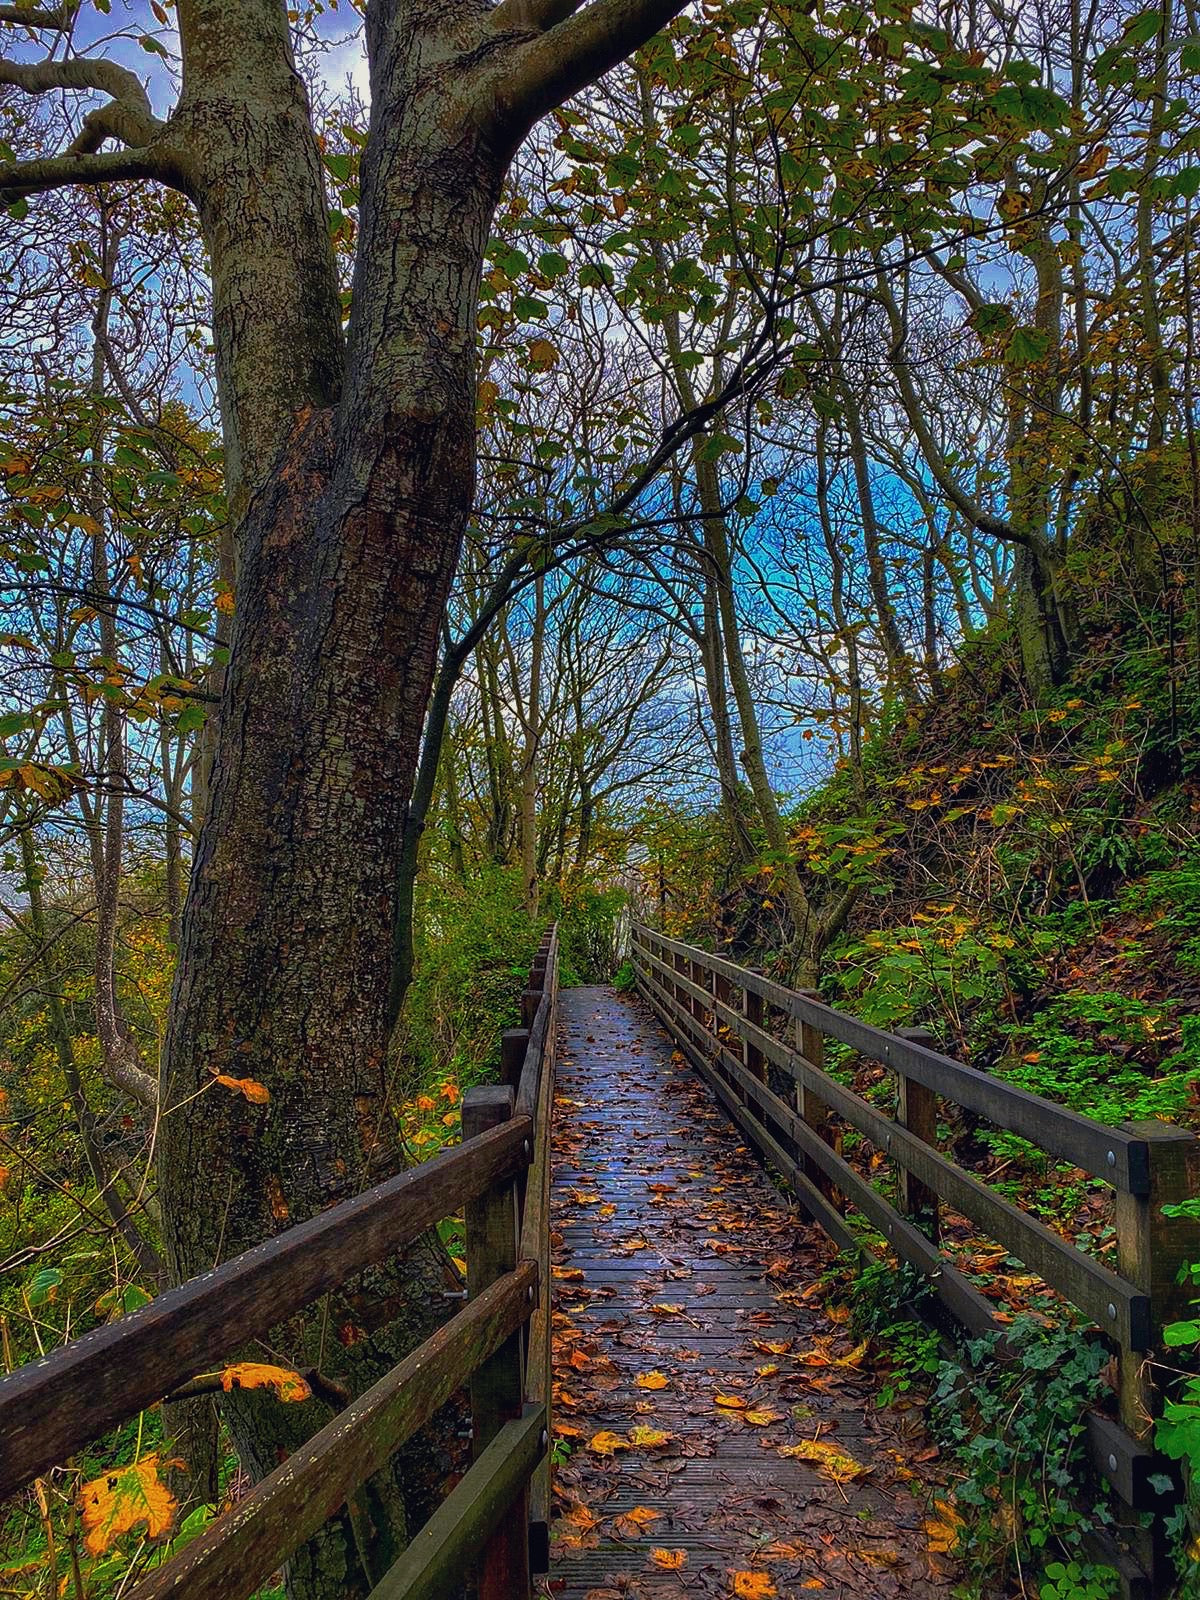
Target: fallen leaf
[(607, 1444), (753, 1585), (840, 1467), (672, 1560), (652, 1380), (761, 1419), (649, 1438), (631, 1523), (729, 1402), (942, 1528)]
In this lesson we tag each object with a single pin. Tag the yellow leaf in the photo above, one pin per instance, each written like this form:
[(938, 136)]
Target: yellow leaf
[(651, 1380), (730, 1402), (840, 1467), (753, 1585), (607, 1444), (288, 1385), (113, 1504), (672, 1560), (649, 1438), (773, 1347), (250, 1087), (664, 1310), (942, 1528), (761, 1419)]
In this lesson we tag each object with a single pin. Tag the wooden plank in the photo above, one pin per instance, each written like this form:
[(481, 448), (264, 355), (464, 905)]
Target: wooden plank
[(1127, 1464), (436, 1562), (50, 1407), (1118, 1156), (238, 1553), (498, 1383)]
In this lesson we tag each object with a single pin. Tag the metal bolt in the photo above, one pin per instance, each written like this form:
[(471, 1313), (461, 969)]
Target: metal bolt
[(529, 1294), (525, 1148), (1112, 1311), (545, 1438), (1111, 1158), (1112, 1463), (887, 1142)]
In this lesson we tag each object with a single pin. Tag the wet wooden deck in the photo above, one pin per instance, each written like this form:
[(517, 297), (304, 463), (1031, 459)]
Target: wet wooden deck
[(676, 1260)]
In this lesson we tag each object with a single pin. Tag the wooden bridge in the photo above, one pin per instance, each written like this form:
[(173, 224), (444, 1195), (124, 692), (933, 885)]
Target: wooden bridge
[(621, 1145)]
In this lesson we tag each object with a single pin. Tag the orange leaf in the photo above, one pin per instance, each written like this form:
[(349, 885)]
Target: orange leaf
[(730, 1402), (631, 1523), (121, 1499), (607, 1444), (672, 1560), (753, 1585), (288, 1385), (250, 1087), (651, 1380)]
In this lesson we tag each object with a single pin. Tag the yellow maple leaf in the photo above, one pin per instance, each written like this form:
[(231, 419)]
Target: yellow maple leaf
[(607, 1443), (119, 1500), (753, 1585), (651, 1380), (649, 1438), (672, 1560), (288, 1385), (250, 1087), (840, 1467)]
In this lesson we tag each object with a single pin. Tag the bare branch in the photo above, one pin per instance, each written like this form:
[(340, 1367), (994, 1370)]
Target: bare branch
[(84, 72), (21, 178)]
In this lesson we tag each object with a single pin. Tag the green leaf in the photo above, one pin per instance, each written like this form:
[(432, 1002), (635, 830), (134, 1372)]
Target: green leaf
[(1027, 345)]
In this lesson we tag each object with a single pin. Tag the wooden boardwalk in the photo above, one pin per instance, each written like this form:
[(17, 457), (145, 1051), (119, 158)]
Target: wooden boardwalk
[(676, 1261)]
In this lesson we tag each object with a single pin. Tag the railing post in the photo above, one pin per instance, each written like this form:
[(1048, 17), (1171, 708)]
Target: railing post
[(513, 1044), (696, 974), (810, 1042), (917, 1111), (752, 1010), (1151, 1249), (497, 1389)]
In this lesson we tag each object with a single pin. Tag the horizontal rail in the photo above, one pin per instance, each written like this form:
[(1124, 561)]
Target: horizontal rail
[(49, 1407), (437, 1560), (1088, 1284), (1119, 1157), (960, 1297), (237, 1553)]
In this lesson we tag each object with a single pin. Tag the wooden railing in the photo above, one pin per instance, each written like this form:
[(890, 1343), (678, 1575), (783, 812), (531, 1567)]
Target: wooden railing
[(736, 1025), (493, 1524)]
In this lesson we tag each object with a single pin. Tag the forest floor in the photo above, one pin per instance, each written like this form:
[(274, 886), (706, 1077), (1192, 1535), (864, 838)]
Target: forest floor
[(717, 1430)]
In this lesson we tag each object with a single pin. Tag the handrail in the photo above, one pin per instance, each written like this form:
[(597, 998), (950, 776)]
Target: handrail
[(49, 1407), (736, 1051)]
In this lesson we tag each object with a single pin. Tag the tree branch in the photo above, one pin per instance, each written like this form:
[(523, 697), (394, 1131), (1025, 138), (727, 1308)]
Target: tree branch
[(570, 53), (21, 178), (83, 72), (58, 18)]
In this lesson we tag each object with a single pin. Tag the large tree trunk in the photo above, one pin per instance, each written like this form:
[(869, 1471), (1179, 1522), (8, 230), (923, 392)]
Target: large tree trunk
[(346, 555)]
